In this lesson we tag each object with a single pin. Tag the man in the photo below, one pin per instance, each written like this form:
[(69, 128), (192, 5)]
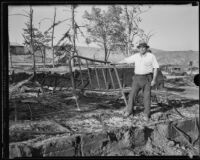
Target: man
[(146, 67)]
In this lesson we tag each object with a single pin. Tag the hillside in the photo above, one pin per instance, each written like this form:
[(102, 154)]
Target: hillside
[(163, 57), (177, 57)]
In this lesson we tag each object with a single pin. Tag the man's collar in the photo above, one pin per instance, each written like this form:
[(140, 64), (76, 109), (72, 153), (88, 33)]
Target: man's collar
[(144, 54)]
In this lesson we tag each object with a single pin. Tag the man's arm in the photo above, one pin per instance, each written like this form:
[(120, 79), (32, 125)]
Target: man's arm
[(128, 60), (122, 61), (155, 72)]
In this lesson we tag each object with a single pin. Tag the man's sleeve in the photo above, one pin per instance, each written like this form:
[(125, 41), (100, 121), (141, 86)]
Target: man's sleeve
[(154, 62), (130, 59)]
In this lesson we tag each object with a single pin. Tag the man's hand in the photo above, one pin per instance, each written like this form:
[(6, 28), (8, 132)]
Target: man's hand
[(153, 82)]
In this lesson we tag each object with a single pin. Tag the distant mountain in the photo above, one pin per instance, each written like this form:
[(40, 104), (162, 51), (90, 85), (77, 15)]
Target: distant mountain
[(163, 57), (177, 57)]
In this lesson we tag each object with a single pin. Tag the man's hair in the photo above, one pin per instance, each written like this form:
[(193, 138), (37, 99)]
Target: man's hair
[(148, 50)]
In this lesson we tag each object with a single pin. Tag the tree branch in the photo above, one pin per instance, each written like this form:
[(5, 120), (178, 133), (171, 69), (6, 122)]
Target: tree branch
[(19, 15)]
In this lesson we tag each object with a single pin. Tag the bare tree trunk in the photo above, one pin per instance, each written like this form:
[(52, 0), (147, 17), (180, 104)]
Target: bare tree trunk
[(128, 31), (106, 51), (32, 47), (73, 33), (54, 19), (108, 54), (73, 26), (31, 44), (14, 88)]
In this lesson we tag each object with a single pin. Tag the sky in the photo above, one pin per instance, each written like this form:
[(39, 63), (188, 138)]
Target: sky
[(175, 27)]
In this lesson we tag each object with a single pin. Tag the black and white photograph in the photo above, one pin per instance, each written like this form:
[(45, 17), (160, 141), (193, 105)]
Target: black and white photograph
[(103, 80)]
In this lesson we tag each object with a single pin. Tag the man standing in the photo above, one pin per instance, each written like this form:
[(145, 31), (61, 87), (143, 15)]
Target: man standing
[(146, 67)]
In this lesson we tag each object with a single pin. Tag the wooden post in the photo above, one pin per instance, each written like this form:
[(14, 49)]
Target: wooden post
[(53, 35)]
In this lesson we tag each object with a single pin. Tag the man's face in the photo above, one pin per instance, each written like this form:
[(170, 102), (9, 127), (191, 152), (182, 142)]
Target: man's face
[(142, 50)]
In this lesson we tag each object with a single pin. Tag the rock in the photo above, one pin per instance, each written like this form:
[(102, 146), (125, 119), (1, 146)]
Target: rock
[(57, 146), (190, 154), (183, 147), (114, 153), (177, 145), (127, 152), (178, 152), (125, 142), (139, 137), (156, 116), (14, 151), (135, 137), (171, 143), (93, 144), (149, 146), (164, 129), (60, 153), (26, 151), (19, 150)]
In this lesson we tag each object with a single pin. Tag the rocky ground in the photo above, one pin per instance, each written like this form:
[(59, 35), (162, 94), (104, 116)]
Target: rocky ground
[(50, 124)]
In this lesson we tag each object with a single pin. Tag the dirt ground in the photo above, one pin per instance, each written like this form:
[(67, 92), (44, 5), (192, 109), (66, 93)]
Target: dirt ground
[(55, 114)]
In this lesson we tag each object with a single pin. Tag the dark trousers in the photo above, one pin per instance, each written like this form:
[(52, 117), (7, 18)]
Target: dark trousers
[(141, 82)]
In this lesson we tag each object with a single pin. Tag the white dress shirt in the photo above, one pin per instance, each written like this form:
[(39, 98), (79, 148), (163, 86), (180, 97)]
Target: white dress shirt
[(144, 64)]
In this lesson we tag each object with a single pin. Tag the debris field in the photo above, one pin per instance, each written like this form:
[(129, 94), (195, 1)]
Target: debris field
[(43, 125)]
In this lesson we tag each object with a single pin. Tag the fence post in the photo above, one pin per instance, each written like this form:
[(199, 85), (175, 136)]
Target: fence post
[(73, 84)]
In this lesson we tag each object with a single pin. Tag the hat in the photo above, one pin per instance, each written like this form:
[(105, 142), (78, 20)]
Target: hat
[(142, 45)]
